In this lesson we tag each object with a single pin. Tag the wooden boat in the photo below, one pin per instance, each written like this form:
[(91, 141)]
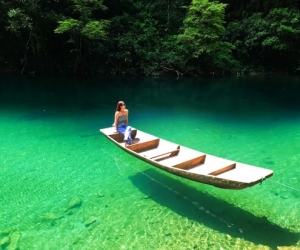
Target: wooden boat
[(189, 163)]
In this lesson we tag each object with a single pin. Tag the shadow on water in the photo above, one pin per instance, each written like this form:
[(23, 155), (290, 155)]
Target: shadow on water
[(210, 211)]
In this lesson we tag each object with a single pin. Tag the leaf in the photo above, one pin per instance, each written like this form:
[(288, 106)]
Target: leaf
[(66, 25), (95, 29)]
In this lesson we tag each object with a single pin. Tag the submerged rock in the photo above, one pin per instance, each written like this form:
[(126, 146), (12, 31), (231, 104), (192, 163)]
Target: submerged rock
[(50, 217), (4, 241), (90, 221), (75, 202), (69, 212), (284, 196), (14, 240), (100, 195), (76, 240), (6, 231)]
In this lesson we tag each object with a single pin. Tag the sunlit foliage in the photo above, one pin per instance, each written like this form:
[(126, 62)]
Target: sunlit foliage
[(180, 37)]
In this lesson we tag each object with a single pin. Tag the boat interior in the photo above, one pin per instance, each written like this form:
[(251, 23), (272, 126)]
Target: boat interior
[(169, 155), (173, 155)]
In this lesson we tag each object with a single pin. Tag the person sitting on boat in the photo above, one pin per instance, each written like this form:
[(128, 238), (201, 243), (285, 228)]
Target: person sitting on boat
[(121, 122)]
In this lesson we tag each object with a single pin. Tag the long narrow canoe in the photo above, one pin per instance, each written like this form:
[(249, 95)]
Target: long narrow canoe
[(189, 163)]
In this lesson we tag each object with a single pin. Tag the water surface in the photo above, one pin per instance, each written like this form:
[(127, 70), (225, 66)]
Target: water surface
[(65, 186)]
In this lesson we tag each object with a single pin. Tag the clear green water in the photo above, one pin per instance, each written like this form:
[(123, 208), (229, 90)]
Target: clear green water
[(65, 186)]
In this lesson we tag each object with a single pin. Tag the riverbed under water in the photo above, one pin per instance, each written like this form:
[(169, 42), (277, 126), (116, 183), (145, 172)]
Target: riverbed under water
[(65, 186)]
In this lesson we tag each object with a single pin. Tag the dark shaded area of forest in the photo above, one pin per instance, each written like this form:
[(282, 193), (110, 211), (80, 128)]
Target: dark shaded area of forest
[(157, 37)]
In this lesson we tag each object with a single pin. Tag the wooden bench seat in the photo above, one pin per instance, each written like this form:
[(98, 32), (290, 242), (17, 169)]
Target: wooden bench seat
[(191, 163), (214, 166), (184, 161), (161, 154), (144, 145)]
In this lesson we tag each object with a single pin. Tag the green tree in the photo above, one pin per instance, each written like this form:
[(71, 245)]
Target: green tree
[(28, 25), (148, 37), (85, 25), (84, 29), (283, 29), (269, 43), (202, 40)]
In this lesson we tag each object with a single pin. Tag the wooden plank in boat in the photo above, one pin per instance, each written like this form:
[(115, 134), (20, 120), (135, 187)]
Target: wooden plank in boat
[(246, 173), (213, 165), (154, 153), (184, 160), (223, 170), (144, 145), (166, 155), (191, 163)]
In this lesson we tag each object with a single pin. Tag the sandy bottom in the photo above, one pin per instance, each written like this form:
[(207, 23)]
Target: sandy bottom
[(65, 186)]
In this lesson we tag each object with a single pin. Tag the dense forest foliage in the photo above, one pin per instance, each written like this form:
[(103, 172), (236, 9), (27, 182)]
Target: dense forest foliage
[(137, 37)]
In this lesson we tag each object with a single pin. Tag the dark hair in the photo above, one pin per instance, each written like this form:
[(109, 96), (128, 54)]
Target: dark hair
[(120, 103)]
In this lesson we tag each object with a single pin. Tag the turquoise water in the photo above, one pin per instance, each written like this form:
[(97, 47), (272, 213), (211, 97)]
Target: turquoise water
[(65, 186)]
